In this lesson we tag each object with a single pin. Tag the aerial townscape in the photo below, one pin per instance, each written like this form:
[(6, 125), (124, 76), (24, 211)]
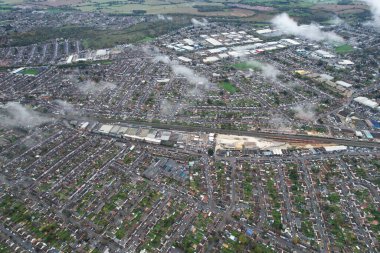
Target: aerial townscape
[(182, 126)]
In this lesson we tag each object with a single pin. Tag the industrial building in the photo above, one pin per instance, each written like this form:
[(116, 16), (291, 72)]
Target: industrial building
[(366, 102)]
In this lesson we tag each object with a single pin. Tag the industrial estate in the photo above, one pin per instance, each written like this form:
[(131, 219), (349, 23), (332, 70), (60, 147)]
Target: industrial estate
[(220, 126)]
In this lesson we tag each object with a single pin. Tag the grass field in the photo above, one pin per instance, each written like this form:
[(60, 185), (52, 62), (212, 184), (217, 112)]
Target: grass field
[(217, 10), (96, 39), (32, 72), (172, 6), (228, 87), (344, 49), (150, 6), (163, 7)]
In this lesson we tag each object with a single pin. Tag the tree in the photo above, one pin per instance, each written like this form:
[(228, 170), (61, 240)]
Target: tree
[(210, 151), (243, 239), (296, 240)]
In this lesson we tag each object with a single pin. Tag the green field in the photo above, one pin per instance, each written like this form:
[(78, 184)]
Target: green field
[(147, 31), (95, 39), (32, 72), (196, 7), (126, 6), (344, 49), (228, 87)]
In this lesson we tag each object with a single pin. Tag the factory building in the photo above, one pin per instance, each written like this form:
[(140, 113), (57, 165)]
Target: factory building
[(335, 148), (366, 102)]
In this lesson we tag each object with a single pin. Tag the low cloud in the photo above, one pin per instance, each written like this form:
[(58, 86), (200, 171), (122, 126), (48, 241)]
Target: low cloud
[(65, 107), (162, 58), (14, 114), (199, 23), (279, 122), (337, 21), (283, 23), (95, 88), (374, 6), (268, 71), (305, 112), (89, 86), (168, 108), (199, 83)]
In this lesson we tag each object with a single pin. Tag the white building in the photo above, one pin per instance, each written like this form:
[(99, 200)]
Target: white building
[(366, 102), (324, 54), (214, 42), (105, 129), (344, 84), (185, 59), (335, 148), (346, 62), (211, 59)]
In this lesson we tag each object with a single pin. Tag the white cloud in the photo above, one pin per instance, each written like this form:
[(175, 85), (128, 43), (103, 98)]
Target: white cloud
[(286, 25), (375, 9), (200, 83), (66, 107), (305, 112), (95, 88), (269, 71), (169, 108), (14, 114)]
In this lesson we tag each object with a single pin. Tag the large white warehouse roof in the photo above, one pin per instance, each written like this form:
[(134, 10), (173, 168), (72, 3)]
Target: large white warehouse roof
[(335, 148), (366, 102), (214, 42), (344, 84)]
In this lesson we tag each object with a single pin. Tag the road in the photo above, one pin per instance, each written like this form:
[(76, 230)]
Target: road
[(322, 234), (26, 245)]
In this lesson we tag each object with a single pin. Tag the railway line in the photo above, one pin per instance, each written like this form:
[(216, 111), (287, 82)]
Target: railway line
[(298, 138)]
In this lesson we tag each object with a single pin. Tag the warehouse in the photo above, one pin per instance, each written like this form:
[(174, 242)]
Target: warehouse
[(114, 130), (214, 42), (335, 148), (344, 84), (184, 59), (292, 42), (217, 50), (105, 129), (367, 134), (324, 54), (366, 102), (265, 31), (165, 135), (211, 59), (189, 42), (346, 62)]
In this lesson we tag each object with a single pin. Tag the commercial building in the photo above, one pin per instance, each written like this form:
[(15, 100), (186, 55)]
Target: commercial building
[(335, 148), (366, 102)]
